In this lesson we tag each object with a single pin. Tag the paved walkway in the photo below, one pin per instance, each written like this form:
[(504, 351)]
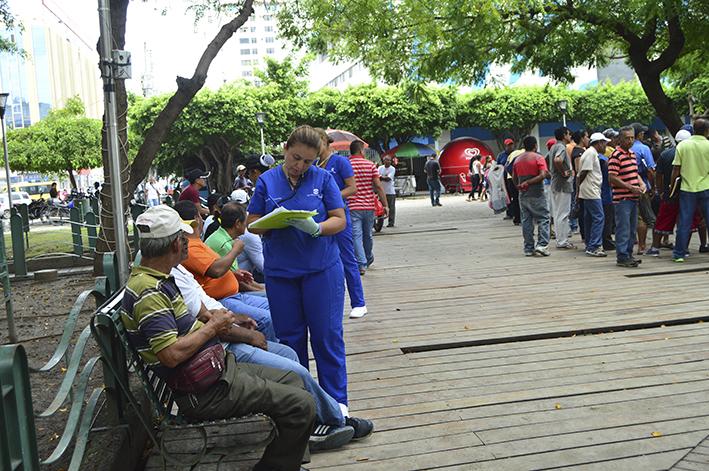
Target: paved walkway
[(475, 357)]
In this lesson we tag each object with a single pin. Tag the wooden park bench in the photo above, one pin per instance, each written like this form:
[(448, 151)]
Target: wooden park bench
[(179, 443)]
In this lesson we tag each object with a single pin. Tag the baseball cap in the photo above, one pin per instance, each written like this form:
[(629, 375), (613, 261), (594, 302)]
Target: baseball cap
[(550, 143), (160, 221), (508, 141), (610, 133), (682, 135), (240, 196), (688, 127), (195, 174), (597, 136), (240, 168)]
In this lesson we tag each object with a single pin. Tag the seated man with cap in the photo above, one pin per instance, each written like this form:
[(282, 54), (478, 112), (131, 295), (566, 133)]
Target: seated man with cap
[(241, 182), (251, 258), (171, 341), (219, 277), (198, 180)]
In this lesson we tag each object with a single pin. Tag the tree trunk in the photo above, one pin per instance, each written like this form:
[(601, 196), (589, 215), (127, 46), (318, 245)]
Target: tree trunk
[(186, 90), (72, 180), (659, 100)]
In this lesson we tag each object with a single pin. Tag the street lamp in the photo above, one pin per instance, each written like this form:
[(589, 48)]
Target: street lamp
[(563, 106), (3, 103), (261, 120)]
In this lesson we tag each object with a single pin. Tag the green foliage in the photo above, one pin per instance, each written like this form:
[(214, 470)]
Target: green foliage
[(512, 111), (609, 105), (7, 22), (65, 140)]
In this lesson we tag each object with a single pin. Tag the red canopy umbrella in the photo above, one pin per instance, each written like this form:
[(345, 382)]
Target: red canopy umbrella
[(341, 139)]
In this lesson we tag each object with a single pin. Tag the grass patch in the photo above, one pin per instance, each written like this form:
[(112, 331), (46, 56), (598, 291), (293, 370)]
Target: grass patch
[(55, 240)]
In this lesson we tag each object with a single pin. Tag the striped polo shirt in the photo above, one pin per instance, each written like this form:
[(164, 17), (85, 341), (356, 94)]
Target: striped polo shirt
[(155, 315), (623, 164), (365, 172)]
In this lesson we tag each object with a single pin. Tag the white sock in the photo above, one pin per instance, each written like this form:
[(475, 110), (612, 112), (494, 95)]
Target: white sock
[(345, 410)]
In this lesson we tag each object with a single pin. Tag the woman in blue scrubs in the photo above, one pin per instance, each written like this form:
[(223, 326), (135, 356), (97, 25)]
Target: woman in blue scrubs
[(302, 266), (341, 170)]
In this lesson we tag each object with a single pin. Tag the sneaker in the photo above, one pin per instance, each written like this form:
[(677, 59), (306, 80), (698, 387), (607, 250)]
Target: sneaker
[(439, 204), (667, 246), (362, 271), (678, 260), (329, 437), (704, 249), (529, 254), (652, 252), (566, 246), (596, 253), (362, 427), (542, 250), (358, 312), (637, 261), (630, 263)]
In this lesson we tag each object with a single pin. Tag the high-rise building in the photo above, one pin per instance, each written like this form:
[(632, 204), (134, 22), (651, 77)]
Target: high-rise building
[(59, 62)]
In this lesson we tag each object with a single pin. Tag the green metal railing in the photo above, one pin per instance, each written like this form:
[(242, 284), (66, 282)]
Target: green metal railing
[(18, 443)]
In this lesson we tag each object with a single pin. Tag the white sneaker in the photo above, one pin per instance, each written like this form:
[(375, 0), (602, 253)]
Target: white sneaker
[(358, 312)]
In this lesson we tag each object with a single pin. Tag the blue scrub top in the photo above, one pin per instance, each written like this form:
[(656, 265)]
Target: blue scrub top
[(289, 252), (340, 168)]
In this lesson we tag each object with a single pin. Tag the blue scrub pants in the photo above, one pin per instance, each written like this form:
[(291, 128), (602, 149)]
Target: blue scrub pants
[(314, 303), (282, 357), (256, 307), (349, 262)]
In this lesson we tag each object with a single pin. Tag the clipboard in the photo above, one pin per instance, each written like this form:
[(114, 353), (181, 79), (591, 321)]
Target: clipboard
[(277, 218)]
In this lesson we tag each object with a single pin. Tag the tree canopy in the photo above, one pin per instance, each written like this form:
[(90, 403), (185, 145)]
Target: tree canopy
[(459, 40), (64, 141)]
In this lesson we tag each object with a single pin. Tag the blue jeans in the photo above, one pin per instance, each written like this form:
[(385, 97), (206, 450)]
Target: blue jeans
[(626, 224), (256, 307), (362, 225), (534, 208), (434, 189), (687, 206), (350, 263), (153, 202), (593, 222), (283, 357)]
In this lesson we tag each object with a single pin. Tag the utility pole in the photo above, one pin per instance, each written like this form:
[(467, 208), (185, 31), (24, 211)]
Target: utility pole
[(111, 63)]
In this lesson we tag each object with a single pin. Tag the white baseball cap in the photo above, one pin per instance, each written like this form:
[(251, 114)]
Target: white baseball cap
[(682, 135), (598, 136), (240, 196), (160, 221)]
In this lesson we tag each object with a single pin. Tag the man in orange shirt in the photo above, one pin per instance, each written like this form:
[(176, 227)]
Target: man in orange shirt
[(217, 279)]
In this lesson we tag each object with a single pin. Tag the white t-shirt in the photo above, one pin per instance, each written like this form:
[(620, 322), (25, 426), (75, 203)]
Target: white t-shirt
[(477, 167), (153, 191), (388, 172), (192, 293), (590, 188)]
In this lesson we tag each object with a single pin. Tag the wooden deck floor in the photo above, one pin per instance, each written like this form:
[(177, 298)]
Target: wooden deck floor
[(522, 362)]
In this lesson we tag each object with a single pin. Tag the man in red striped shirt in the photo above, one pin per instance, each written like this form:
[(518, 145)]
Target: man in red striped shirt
[(361, 204), (627, 188)]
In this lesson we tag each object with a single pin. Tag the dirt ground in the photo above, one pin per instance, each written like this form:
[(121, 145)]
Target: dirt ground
[(41, 310)]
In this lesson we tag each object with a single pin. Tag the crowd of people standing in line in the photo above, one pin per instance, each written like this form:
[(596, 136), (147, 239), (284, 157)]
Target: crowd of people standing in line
[(613, 187)]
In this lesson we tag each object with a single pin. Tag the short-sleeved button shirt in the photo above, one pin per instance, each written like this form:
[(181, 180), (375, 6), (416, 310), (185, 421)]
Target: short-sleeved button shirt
[(289, 252), (155, 315)]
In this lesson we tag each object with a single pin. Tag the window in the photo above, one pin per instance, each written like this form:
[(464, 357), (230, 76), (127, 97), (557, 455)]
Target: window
[(253, 40), (270, 50), (243, 40), (269, 40), (267, 17), (247, 73), (254, 51), (253, 29), (268, 29), (245, 52), (246, 62)]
